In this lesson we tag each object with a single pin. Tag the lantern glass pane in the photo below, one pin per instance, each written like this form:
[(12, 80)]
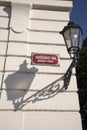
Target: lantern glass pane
[(67, 38), (75, 32)]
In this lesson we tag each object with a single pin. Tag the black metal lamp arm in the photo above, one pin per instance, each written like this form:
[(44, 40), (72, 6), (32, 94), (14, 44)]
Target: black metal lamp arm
[(68, 74)]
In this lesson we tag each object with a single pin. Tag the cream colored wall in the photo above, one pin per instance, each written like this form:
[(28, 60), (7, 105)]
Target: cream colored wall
[(26, 28)]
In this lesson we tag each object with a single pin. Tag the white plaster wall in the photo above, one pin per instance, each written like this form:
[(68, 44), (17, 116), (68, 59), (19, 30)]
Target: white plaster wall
[(26, 27)]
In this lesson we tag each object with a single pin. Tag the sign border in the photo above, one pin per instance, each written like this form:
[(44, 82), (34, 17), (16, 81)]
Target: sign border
[(58, 56)]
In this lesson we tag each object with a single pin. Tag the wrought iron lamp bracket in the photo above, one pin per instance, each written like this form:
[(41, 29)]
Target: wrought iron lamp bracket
[(68, 74)]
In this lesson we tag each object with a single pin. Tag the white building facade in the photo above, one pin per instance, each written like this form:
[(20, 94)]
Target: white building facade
[(26, 27)]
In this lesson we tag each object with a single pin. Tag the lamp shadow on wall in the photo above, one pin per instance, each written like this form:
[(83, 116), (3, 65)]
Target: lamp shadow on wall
[(18, 83)]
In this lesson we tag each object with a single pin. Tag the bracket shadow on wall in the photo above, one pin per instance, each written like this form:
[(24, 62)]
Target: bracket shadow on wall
[(59, 85)]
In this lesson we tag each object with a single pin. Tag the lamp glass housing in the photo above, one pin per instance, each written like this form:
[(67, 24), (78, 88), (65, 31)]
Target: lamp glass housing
[(72, 36)]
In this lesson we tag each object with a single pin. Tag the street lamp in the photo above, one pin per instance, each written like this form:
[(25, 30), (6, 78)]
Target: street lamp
[(72, 37)]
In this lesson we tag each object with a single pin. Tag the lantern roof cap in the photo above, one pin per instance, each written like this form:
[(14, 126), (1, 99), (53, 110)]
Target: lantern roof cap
[(71, 25)]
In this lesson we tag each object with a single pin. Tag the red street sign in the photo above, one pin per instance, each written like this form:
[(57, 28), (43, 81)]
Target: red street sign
[(45, 59)]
